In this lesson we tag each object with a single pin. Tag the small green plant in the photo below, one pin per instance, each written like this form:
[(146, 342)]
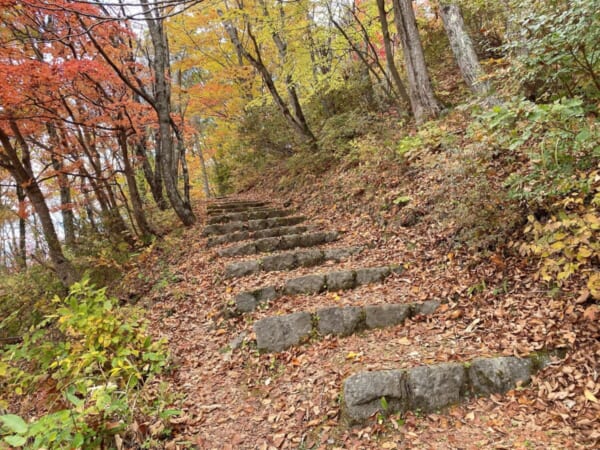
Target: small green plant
[(97, 355)]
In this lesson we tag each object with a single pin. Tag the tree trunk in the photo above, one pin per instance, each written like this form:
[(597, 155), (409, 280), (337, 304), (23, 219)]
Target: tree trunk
[(153, 177), (422, 98), (463, 49), (162, 105), (389, 56), (20, 168), (22, 250), (134, 194), (206, 185)]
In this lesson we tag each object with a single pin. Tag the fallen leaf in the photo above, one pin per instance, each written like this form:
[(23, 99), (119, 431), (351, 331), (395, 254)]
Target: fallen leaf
[(591, 397)]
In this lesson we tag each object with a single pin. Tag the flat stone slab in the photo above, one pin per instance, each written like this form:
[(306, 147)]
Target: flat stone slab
[(340, 321), (434, 387), (363, 392), (340, 280), (386, 315), (287, 242), (275, 334), (431, 388), (289, 261), (308, 284), (251, 225)]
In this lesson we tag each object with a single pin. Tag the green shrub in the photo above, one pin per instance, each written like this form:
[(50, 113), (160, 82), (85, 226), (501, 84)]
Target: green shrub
[(97, 355), (555, 141)]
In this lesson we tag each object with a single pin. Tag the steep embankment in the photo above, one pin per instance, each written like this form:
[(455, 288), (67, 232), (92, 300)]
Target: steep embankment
[(319, 317)]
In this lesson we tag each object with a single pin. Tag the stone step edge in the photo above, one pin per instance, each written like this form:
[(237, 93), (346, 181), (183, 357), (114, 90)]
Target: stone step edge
[(432, 388), (245, 235), (218, 229), (277, 333), (286, 242), (289, 261), (247, 301), (251, 215), (241, 210)]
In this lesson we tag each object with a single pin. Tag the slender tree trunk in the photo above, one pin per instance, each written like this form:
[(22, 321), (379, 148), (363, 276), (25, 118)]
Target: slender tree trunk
[(22, 250), (153, 177), (422, 98), (463, 49), (206, 185), (20, 168), (134, 194), (389, 55)]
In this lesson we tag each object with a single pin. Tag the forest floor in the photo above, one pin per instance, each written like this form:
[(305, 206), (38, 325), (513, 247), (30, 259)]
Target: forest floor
[(241, 399)]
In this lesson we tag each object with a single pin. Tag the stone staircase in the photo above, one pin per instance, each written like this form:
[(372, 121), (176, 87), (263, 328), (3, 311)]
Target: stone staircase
[(241, 228)]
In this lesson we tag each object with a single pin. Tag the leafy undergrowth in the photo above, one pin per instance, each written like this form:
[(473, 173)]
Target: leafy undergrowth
[(440, 218)]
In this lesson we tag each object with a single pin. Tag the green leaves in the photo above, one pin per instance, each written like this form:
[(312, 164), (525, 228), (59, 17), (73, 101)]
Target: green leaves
[(102, 359), (14, 423)]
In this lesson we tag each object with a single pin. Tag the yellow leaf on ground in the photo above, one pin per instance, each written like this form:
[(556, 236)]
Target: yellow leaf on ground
[(404, 341), (591, 397)]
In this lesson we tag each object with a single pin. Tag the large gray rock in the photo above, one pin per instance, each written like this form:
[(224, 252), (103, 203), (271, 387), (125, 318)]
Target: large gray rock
[(434, 387), (340, 280), (371, 275), (309, 284), (275, 334), (339, 321), (241, 268), (498, 375), (282, 261), (318, 238), (363, 392), (380, 316), (309, 258), (426, 308)]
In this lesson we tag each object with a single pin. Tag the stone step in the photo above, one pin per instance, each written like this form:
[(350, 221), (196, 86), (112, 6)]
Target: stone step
[(250, 215), (252, 225), (431, 388), (275, 334), (234, 204), (245, 235), (313, 284), (221, 211), (287, 242), (289, 261)]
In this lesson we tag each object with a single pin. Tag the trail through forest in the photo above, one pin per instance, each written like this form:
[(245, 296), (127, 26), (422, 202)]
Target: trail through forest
[(238, 397)]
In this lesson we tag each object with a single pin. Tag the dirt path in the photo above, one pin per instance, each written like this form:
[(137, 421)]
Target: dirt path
[(241, 399)]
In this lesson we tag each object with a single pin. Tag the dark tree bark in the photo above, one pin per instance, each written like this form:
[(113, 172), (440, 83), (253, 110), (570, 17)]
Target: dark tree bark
[(422, 98), (134, 194), (389, 55), (21, 170), (152, 176), (162, 105), (463, 49), (22, 250)]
